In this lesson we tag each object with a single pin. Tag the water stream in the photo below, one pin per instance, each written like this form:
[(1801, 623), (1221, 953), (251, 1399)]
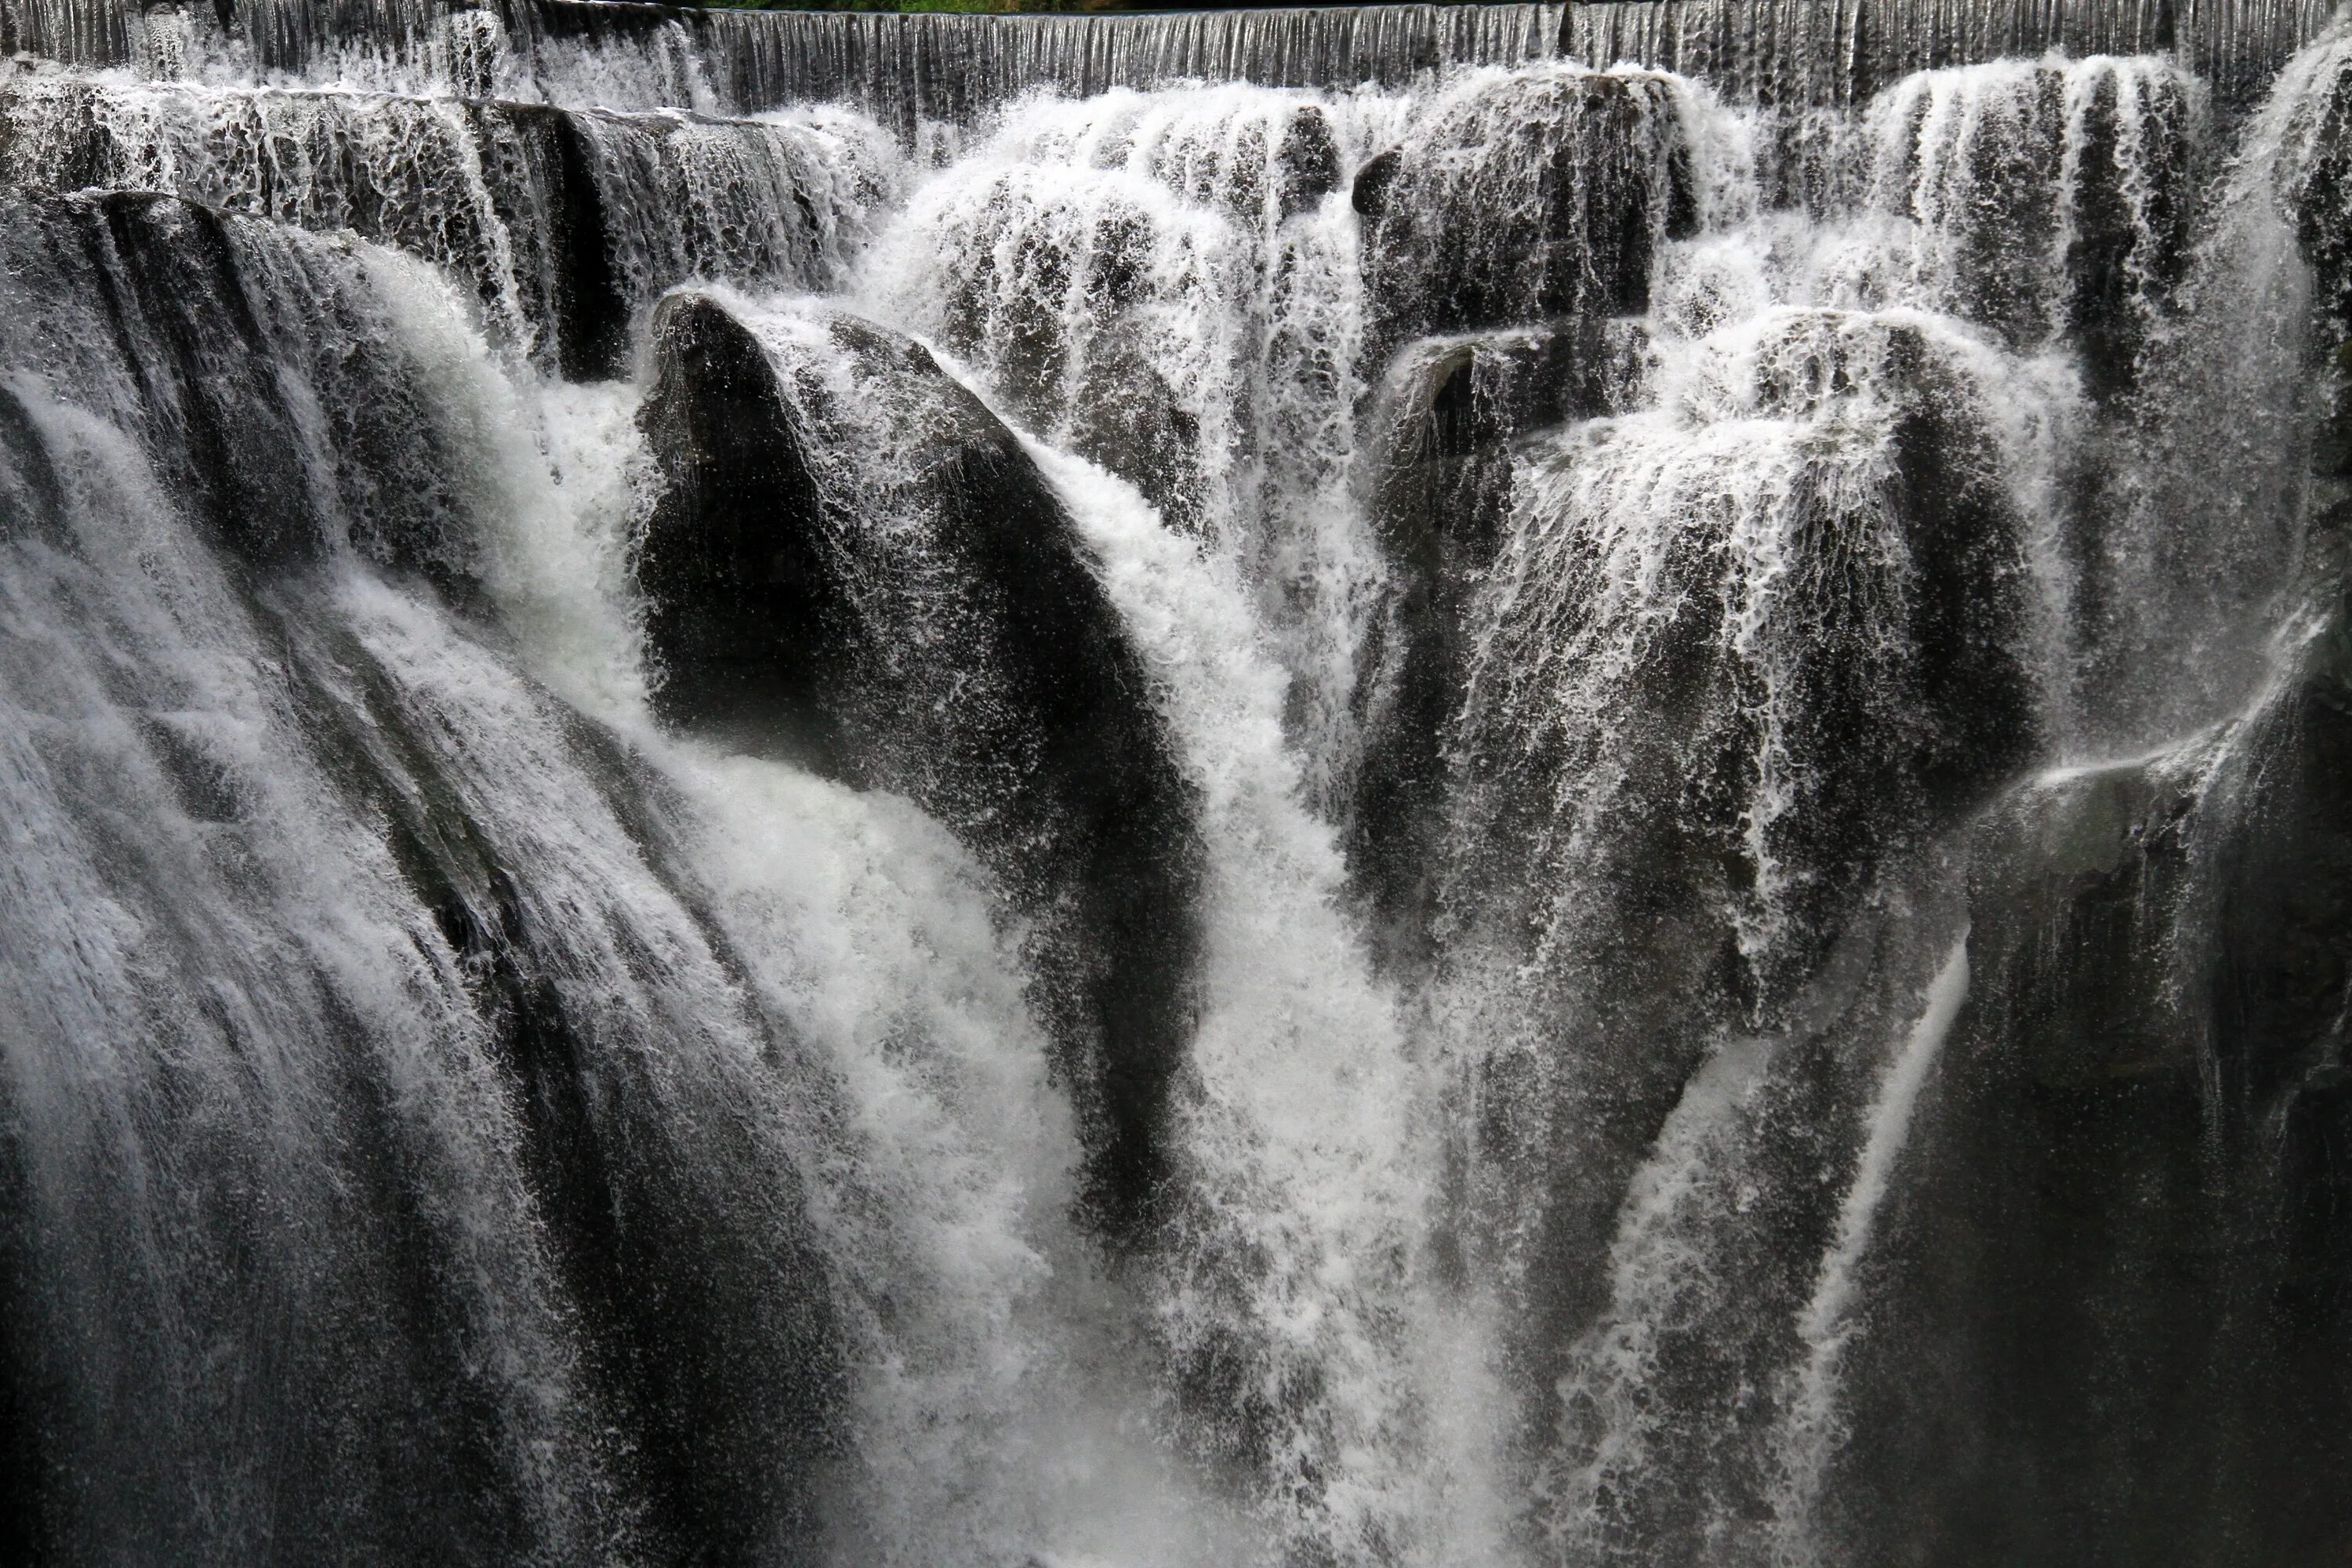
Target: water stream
[(1384, 786)]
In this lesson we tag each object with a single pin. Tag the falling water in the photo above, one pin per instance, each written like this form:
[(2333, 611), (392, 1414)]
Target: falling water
[(1382, 786), (1828, 1318)]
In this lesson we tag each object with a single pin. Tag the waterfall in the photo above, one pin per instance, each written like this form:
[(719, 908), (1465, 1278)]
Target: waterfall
[(1828, 1322), (1375, 787), (1795, 52), (564, 222)]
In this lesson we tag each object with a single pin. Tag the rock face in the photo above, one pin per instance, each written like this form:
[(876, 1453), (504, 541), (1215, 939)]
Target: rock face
[(1507, 244), (1749, 669), (856, 565), (1449, 418), (1367, 193), (707, 1331), (750, 629), (2114, 1324), (1523, 199), (2079, 183), (2129, 236), (547, 192), (211, 335), (1058, 287), (169, 276), (1720, 664), (515, 1264), (1307, 163)]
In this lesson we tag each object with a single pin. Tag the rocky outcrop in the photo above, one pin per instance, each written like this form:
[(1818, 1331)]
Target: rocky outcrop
[(856, 565), (505, 196), (164, 279), (507, 1255), (1307, 163), (710, 1350), (1448, 419), (217, 337), (2109, 1320), (1522, 199), (2051, 202), (1727, 662), (2113, 1322), (1750, 668), (545, 189)]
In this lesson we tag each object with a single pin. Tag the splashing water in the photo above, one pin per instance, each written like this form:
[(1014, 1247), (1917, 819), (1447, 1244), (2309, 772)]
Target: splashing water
[(1602, 606)]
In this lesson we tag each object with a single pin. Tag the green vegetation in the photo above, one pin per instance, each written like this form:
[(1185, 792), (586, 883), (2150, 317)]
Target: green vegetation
[(994, 5)]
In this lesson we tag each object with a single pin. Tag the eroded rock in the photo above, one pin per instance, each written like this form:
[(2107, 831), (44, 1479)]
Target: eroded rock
[(854, 565)]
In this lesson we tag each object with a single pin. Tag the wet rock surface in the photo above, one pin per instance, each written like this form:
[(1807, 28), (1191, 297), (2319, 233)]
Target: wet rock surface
[(943, 638), (1452, 415), (1521, 200), (1632, 861), (2123, 1251)]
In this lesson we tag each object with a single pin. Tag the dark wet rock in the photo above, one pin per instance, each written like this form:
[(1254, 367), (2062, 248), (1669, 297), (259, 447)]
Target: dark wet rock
[(1610, 808), (1455, 410), (286, 417), (2064, 168), (1992, 245), (751, 631), (419, 201), (471, 41), (1308, 160), (2322, 205), (1129, 419), (555, 220), (1901, 695), (247, 367), (891, 592), (2112, 1326), (32, 492), (1010, 316), (542, 180), (2128, 238), (1448, 419), (1067, 338), (169, 276), (1541, 197), (701, 1298), (1368, 192)]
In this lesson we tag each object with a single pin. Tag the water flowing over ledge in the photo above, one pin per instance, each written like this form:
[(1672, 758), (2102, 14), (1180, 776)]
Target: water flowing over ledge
[(1800, 52), (950, 68), (1319, 789), (902, 68)]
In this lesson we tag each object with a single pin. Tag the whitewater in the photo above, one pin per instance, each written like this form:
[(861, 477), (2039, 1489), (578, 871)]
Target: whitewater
[(1389, 786)]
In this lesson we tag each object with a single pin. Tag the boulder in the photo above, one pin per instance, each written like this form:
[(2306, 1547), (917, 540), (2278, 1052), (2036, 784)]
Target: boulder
[(2117, 1293), (856, 566)]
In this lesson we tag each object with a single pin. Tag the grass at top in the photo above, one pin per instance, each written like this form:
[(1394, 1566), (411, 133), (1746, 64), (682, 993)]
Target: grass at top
[(998, 7), (984, 6)]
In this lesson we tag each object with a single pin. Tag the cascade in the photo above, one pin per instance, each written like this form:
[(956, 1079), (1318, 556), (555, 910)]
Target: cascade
[(1376, 787), (562, 221), (1798, 53)]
